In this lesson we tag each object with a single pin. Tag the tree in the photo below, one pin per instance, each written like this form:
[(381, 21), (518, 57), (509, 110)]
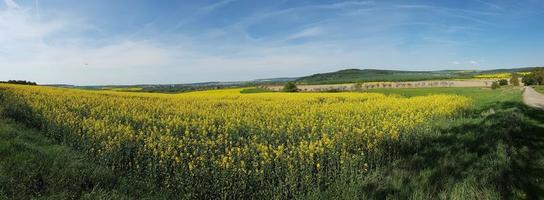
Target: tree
[(290, 87), (514, 80), (358, 86), (503, 82), (19, 82), (536, 77), (529, 80), (495, 85)]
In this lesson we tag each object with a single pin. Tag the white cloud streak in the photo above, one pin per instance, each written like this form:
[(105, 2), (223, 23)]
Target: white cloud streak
[(217, 5), (11, 4), (309, 32)]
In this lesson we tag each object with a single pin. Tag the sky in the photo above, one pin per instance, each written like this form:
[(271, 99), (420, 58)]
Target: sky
[(150, 42)]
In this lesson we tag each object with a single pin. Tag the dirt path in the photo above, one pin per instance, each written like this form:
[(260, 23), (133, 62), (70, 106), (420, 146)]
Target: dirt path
[(533, 98)]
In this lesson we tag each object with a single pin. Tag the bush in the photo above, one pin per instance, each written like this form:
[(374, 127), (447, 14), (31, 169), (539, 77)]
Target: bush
[(503, 82), (536, 77), (19, 82), (290, 87), (495, 85), (12, 108), (514, 80), (358, 86), (333, 90)]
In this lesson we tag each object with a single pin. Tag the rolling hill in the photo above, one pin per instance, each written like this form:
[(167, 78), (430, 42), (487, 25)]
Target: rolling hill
[(366, 75)]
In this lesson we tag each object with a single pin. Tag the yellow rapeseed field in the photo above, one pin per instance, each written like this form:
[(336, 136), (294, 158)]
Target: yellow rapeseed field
[(223, 140), (499, 75)]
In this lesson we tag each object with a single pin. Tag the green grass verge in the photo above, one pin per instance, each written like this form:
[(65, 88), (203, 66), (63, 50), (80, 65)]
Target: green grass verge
[(254, 90), (495, 152), (482, 97), (539, 88)]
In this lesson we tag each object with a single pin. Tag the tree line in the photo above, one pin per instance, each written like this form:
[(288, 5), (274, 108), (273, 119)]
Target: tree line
[(19, 82)]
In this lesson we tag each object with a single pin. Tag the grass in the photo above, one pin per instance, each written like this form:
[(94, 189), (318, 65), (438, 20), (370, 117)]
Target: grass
[(539, 88), (34, 167), (482, 97), (123, 89), (495, 157), (254, 90), (494, 152)]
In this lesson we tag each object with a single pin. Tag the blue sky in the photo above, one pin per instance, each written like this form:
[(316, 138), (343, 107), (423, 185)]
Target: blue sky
[(144, 41)]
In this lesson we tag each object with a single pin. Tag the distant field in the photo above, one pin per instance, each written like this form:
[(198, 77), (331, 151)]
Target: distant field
[(482, 96), (123, 89), (388, 85), (254, 90)]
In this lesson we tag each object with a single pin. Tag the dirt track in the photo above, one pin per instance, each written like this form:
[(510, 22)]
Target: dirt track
[(533, 99)]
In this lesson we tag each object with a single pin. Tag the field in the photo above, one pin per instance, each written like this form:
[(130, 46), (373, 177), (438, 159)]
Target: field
[(464, 143), (483, 98), (480, 83), (121, 89)]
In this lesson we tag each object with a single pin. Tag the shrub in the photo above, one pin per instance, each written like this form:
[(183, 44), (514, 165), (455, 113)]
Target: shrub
[(495, 85), (358, 86), (333, 90), (290, 87), (514, 80), (19, 82), (536, 77), (503, 82)]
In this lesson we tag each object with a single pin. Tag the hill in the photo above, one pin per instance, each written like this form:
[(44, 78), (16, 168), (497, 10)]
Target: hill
[(365, 75), (341, 76)]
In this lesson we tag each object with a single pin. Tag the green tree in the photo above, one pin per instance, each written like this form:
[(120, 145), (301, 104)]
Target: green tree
[(358, 86), (503, 82), (290, 87), (19, 82), (536, 77), (514, 80), (495, 85)]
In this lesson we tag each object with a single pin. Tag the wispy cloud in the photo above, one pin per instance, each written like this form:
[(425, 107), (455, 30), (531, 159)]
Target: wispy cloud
[(11, 4), (19, 24), (217, 5), (492, 5), (309, 32)]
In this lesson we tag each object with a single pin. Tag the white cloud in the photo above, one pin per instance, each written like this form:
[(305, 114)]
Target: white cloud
[(31, 48), (309, 32), (217, 5), (19, 25), (11, 4)]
